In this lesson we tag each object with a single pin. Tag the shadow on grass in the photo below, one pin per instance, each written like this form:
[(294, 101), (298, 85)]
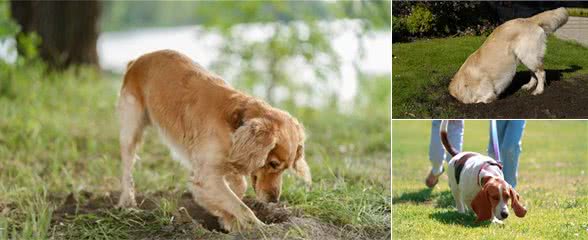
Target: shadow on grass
[(523, 77), (445, 200), (451, 216), (421, 196)]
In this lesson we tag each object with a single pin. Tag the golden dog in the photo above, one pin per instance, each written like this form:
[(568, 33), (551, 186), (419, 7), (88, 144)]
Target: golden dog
[(220, 134), (490, 69)]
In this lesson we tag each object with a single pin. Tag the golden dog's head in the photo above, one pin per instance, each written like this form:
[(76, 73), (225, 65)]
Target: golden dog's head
[(267, 145)]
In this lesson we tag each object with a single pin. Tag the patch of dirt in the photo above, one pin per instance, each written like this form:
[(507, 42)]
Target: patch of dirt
[(189, 217), (561, 99)]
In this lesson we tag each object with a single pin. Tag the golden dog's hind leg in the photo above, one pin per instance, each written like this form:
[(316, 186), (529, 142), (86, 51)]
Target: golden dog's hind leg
[(540, 73), (531, 51), (532, 82), (132, 120)]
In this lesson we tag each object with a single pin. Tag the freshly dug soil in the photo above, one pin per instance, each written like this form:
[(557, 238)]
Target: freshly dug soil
[(267, 213), (561, 99), (190, 218)]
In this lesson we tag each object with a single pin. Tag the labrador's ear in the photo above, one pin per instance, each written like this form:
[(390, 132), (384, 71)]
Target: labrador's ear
[(519, 210), (482, 206), (300, 167), (252, 143)]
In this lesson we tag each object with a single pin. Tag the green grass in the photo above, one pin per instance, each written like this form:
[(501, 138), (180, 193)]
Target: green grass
[(551, 180), (58, 135), (418, 65)]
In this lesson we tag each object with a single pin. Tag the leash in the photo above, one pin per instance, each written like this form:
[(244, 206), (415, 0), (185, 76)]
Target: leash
[(494, 133)]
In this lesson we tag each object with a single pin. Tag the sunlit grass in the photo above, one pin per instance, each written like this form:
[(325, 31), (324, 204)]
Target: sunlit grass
[(552, 180)]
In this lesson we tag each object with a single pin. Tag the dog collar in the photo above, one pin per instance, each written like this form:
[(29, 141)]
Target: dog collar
[(484, 166)]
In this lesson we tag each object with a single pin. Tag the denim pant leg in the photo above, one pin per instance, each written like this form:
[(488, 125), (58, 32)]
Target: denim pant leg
[(436, 151), (510, 133)]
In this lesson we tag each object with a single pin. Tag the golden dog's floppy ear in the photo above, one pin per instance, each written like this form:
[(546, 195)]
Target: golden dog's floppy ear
[(300, 167), (481, 206), (252, 143), (519, 210)]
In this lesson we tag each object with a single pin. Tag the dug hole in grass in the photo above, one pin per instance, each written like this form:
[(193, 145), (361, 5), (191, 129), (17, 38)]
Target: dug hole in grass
[(423, 69)]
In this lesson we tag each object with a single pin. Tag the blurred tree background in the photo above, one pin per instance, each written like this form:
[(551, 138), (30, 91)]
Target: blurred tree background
[(65, 33), (291, 32)]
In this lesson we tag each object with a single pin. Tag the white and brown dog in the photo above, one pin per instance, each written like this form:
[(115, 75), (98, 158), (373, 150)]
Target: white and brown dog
[(220, 134), (477, 181), (489, 70)]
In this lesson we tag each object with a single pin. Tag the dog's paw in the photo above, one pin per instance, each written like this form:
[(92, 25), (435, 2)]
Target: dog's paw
[(234, 225), (537, 91), (126, 202), (496, 221), (527, 86)]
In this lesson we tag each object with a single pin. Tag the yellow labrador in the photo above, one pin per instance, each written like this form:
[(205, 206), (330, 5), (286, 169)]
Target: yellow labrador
[(490, 69)]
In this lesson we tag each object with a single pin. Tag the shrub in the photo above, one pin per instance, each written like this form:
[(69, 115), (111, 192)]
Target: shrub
[(578, 12), (442, 19), (420, 20)]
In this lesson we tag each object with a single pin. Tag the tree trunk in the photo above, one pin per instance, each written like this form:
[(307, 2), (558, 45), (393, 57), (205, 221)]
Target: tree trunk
[(68, 29)]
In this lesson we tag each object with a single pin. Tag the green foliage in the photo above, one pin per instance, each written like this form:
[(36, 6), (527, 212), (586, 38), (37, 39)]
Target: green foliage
[(120, 15), (420, 20), (292, 32), (442, 18), (8, 27), (578, 12), (398, 24), (264, 62), (28, 44)]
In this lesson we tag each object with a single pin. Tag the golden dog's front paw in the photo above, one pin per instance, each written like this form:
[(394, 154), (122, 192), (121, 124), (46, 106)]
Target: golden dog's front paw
[(231, 224)]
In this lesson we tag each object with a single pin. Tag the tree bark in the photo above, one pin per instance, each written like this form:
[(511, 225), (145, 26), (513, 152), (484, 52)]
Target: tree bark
[(68, 29)]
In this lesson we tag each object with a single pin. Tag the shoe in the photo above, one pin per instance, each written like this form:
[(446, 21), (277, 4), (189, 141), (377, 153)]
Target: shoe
[(433, 179)]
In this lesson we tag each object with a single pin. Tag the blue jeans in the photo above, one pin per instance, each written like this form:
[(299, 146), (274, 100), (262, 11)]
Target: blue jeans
[(436, 151), (509, 134)]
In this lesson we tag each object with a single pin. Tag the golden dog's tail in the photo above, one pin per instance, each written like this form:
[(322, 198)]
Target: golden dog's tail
[(445, 139), (551, 20)]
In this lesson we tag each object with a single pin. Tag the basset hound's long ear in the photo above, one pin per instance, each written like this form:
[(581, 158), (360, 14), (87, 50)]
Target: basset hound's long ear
[(300, 167), (252, 143), (481, 206), (519, 210)]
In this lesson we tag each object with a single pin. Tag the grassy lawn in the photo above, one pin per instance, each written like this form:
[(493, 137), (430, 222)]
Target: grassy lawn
[(422, 70), (60, 168), (552, 182)]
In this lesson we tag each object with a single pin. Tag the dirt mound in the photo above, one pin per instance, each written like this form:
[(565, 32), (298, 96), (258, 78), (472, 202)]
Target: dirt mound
[(189, 220), (267, 213), (561, 99)]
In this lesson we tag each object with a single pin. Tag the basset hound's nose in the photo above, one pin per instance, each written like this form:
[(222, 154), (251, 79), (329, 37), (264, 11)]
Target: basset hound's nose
[(504, 215)]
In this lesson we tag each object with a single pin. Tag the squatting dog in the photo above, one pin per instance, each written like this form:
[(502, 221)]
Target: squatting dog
[(490, 69)]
